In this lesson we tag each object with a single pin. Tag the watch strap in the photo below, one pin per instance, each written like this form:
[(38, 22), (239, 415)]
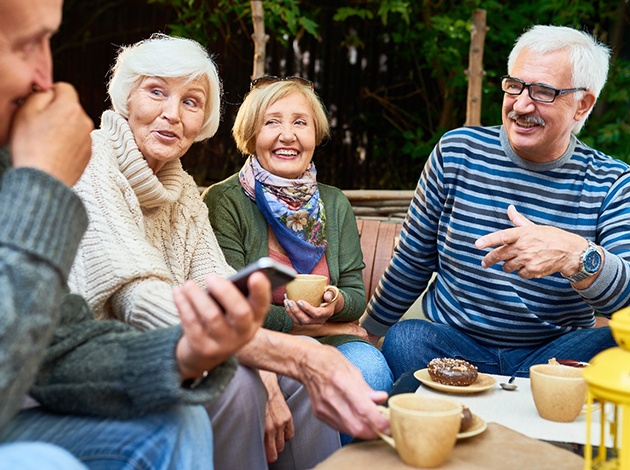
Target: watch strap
[(583, 273)]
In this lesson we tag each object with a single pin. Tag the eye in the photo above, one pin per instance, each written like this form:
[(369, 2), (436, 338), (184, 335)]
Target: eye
[(512, 85), (301, 122), (545, 93), (271, 122), (156, 92), (190, 102)]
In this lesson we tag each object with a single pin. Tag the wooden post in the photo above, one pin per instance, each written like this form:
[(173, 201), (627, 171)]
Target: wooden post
[(259, 37), (475, 70)]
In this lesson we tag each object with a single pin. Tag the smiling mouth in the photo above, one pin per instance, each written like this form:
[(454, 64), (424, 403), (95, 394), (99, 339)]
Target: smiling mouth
[(526, 121), (286, 153)]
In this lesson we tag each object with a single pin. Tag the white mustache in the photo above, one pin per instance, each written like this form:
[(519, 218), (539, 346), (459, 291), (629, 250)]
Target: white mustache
[(528, 119)]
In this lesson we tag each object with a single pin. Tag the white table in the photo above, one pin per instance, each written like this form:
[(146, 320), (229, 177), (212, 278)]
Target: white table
[(516, 410)]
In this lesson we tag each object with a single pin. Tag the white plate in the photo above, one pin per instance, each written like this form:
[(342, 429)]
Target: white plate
[(483, 382)]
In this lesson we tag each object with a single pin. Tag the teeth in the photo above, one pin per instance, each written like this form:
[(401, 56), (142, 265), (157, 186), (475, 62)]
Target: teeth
[(288, 153)]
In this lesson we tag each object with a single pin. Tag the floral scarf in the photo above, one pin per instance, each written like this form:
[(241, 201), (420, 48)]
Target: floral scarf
[(293, 210)]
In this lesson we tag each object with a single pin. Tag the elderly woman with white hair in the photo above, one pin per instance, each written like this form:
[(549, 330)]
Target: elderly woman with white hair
[(149, 229)]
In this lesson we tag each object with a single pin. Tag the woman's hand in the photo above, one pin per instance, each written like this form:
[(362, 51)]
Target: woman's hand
[(331, 328), (278, 420), (302, 313)]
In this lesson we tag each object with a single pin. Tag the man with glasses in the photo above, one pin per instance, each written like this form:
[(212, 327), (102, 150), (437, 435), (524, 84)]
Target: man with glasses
[(524, 226)]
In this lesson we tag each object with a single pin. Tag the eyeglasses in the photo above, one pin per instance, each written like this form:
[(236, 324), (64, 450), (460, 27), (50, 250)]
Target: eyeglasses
[(269, 79), (537, 91)]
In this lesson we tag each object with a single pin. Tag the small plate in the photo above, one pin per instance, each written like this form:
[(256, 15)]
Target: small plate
[(483, 382), (477, 427)]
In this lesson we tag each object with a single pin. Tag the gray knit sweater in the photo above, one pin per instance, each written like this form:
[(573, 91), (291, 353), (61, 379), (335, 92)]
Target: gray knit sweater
[(49, 342)]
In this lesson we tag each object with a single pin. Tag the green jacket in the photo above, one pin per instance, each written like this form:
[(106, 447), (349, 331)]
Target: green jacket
[(50, 345), (241, 230)]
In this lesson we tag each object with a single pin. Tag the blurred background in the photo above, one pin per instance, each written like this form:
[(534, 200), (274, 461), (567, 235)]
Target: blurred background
[(390, 72)]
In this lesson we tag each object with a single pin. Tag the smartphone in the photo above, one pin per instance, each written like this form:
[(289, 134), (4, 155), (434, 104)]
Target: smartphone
[(277, 273)]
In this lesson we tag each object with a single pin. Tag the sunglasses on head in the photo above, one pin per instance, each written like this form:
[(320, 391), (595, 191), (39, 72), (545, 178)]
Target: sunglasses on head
[(269, 79)]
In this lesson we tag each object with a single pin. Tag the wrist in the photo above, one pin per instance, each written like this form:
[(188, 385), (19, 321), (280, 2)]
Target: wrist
[(590, 261)]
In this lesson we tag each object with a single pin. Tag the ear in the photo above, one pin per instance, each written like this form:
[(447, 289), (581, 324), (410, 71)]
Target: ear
[(584, 104)]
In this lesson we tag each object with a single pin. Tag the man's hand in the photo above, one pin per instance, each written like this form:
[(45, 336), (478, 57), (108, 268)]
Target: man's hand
[(51, 132), (278, 420), (219, 322), (339, 395), (533, 250)]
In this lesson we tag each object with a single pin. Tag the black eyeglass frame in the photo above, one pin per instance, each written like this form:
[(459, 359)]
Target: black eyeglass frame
[(269, 79), (557, 92)]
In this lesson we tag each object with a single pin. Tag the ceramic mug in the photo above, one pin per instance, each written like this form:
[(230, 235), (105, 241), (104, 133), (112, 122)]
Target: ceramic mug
[(311, 287), (559, 391), (424, 428)]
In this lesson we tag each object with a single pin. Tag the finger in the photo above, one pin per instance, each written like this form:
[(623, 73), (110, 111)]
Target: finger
[(280, 441), (207, 313), (289, 430), (501, 237), (259, 293), (184, 308), (517, 218), (297, 316), (270, 448)]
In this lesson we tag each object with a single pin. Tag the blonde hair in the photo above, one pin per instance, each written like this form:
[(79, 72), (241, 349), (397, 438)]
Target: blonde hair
[(249, 119)]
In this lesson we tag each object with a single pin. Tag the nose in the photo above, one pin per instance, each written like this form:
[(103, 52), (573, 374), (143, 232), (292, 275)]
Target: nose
[(42, 66), (170, 109), (287, 134), (523, 103)]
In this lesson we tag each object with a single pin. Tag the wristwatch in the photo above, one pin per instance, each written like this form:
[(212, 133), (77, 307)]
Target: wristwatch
[(590, 262)]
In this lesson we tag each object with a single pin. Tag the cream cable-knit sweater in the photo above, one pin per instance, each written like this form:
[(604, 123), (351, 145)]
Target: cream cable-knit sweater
[(147, 233)]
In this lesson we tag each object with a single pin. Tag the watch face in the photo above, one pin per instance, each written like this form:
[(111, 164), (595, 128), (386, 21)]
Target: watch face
[(592, 261)]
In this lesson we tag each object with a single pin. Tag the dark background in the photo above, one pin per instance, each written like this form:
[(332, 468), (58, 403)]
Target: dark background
[(388, 100)]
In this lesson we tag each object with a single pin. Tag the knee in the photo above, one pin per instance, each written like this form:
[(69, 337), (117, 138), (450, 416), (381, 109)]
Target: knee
[(245, 388), (31, 455), (404, 333), (371, 363)]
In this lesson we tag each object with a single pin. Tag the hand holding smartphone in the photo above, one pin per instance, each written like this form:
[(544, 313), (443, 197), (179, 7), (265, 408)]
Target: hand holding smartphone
[(277, 273)]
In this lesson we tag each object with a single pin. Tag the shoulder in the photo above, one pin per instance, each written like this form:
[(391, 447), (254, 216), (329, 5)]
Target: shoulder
[(227, 187), (598, 161), (482, 135)]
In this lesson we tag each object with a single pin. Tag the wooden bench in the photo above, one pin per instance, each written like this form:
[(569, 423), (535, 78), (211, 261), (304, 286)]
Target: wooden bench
[(378, 239)]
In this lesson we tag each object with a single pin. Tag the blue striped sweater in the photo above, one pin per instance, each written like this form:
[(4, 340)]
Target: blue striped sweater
[(464, 191)]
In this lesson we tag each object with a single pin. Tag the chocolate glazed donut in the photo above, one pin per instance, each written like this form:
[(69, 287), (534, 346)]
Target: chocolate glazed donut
[(449, 371)]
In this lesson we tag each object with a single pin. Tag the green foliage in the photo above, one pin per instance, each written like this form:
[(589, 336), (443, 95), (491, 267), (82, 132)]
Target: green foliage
[(428, 46), (205, 20)]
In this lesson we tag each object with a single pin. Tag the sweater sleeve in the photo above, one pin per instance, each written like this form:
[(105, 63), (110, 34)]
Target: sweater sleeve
[(107, 368), (344, 255), (41, 224), (118, 271), (415, 256)]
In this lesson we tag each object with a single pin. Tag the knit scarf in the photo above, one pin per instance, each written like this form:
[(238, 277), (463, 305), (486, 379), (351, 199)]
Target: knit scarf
[(293, 210)]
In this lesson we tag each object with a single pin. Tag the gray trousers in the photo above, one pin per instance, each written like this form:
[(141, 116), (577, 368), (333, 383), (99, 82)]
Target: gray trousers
[(238, 425)]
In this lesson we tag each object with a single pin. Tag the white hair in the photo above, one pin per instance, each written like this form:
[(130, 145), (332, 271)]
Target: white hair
[(166, 56), (588, 57)]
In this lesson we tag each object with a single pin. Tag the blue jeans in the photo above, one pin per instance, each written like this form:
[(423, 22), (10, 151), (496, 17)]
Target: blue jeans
[(176, 438), (411, 344), (371, 362), (35, 456), (372, 365)]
